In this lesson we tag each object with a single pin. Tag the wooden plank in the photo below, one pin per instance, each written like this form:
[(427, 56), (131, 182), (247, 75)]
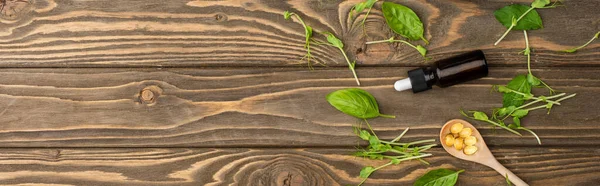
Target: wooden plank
[(102, 33), (257, 107), (189, 166)]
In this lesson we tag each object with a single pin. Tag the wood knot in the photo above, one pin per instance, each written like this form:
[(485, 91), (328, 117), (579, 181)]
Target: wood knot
[(220, 17), (13, 9), (149, 95)]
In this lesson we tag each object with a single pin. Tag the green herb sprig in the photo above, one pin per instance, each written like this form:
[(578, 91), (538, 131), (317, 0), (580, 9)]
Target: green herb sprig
[(337, 43), (584, 45), (308, 31), (510, 16), (393, 151), (438, 177), (368, 4)]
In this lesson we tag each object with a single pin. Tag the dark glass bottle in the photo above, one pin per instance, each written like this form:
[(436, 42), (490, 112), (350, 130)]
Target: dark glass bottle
[(446, 72)]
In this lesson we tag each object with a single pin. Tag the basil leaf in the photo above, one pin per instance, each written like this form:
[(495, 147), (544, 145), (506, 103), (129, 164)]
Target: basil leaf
[(533, 81), (366, 172), (531, 21), (519, 113), (438, 177), (334, 40), (519, 84), (287, 15), (355, 102), (403, 21), (540, 3), (480, 116), (363, 5), (517, 122), (506, 110)]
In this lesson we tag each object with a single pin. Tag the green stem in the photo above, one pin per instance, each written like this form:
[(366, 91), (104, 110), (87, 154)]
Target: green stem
[(528, 52), (364, 20), (513, 25), (391, 40), (504, 127), (531, 103), (351, 66), (411, 143), (400, 136), (558, 100), (535, 98), (371, 129), (533, 133), (584, 45)]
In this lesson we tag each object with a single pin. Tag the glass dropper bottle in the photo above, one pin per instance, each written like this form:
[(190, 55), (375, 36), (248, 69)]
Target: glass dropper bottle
[(445, 72)]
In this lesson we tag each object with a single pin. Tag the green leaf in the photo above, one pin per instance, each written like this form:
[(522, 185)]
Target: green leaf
[(373, 141), (517, 122), (504, 89), (287, 15), (395, 161), (480, 116), (506, 110), (308, 32), (520, 113), (403, 21), (355, 102), (334, 40), (365, 135), (540, 3), (364, 5), (422, 50), (533, 81), (519, 84), (438, 177), (531, 21), (366, 172)]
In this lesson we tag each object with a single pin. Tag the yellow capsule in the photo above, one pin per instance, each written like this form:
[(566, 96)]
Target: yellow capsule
[(456, 128), (469, 150), (449, 140), (465, 132), (458, 143), (471, 140)]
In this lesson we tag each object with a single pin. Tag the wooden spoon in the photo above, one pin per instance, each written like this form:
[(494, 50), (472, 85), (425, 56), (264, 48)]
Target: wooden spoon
[(483, 155)]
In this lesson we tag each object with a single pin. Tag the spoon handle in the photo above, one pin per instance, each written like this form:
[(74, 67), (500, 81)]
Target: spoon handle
[(494, 164)]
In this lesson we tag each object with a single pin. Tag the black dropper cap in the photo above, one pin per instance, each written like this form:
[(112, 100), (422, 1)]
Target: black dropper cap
[(446, 72)]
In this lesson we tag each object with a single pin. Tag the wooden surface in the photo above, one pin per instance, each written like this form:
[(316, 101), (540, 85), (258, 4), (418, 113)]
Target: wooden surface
[(184, 92)]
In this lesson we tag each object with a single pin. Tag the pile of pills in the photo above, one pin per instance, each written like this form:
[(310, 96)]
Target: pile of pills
[(460, 137)]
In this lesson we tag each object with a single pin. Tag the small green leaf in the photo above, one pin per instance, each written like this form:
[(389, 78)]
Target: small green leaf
[(520, 113), (438, 177), (480, 116), (395, 161), (287, 15), (504, 89), (334, 40), (308, 31), (533, 81), (364, 5), (531, 21), (540, 3), (365, 135), (422, 50), (373, 141), (366, 172), (517, 122), (355, 102), (519, 84), (403, 21), (506, 110)]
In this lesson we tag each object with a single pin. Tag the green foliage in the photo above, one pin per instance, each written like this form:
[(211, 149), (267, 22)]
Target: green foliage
[(403, 21), (438, 177), (355, 102)]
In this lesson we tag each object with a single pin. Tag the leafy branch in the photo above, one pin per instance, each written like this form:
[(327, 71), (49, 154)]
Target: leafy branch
[(389, 150), (584, 45), (335, 42)]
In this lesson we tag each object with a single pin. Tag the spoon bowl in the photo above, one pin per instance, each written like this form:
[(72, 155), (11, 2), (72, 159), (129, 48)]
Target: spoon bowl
[(483, 155)]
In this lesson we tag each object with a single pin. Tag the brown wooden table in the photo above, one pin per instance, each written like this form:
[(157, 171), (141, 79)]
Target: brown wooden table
[(183, 92)]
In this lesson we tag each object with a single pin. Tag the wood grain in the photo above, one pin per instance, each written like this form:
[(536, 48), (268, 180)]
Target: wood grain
[(293, 167), (282, 107), (184, 33)]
